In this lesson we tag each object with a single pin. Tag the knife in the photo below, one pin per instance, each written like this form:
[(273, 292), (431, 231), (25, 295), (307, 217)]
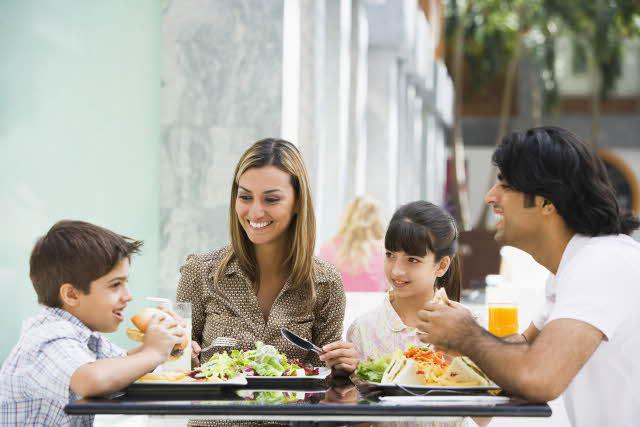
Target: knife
[(299, 341)]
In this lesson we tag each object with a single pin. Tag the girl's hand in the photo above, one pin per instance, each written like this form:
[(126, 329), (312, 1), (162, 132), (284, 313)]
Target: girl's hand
[(341, 357)]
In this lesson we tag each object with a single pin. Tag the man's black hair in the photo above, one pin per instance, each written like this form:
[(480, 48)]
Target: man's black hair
[(554, 163)]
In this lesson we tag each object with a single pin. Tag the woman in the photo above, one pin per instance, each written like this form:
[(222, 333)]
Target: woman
[(268, 277), (357, 250)]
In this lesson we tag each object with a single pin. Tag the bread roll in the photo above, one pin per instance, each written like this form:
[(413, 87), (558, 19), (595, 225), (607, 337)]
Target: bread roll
[(141, 321), (135, 334)]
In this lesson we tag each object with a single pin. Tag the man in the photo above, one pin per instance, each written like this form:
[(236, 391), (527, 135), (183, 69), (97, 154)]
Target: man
[(554, 200)]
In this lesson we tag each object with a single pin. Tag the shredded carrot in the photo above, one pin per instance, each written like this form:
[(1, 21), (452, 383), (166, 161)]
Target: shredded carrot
[(422, 355)]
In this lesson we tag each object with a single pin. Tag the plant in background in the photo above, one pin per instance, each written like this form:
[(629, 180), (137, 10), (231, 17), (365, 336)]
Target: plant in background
[(492, 36), (599, 28)]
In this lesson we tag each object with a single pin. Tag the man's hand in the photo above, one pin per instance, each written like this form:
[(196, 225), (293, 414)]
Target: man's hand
[(446, 325), (341, 357), (515, 339)]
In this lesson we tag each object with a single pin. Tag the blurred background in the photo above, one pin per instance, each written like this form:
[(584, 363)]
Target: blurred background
[(133, 114)]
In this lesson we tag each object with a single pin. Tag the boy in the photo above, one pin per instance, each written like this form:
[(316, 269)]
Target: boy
[(79, 272)]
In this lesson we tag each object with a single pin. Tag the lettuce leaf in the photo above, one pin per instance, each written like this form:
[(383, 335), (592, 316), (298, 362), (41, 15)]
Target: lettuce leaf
[(373, 369), (220, 366)]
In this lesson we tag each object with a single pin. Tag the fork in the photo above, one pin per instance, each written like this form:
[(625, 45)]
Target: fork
[(221, 342)]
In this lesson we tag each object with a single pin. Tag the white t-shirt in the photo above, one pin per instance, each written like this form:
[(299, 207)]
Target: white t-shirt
[(598, 282)]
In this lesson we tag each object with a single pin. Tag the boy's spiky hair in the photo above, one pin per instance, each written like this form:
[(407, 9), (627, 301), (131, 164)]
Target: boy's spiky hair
[(75, 252)]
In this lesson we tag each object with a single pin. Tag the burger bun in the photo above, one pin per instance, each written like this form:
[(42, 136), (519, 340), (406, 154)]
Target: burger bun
[(142, 320)]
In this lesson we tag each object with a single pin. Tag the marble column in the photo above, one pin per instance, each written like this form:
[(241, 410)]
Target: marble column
[(332, 114), (405, 126), (357, 132), (221, 91), (311, 13), (443, 120), (382, 127), (386, 106)]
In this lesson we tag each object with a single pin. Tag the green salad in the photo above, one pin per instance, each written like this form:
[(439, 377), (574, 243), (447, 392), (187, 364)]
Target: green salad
[(264, 361), (220, 367), (273, 397), (373, 369)]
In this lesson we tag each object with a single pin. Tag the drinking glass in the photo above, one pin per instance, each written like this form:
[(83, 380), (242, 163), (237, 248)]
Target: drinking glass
[(182, 309), (503, 318)]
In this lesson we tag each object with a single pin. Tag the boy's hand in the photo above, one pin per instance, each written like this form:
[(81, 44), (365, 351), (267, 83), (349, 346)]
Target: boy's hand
[(195, 354), (161, 336), (341, 357), (173, 314)]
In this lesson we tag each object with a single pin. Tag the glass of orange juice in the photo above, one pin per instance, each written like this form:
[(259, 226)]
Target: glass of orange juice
[(503, 319)]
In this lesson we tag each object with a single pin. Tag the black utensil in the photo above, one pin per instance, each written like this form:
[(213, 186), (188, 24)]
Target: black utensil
[(299, 341)]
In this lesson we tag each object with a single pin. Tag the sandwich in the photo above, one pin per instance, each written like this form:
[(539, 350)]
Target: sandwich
[(402, 370), (141, 322), (463, 372), (440, 297), (412, 371)]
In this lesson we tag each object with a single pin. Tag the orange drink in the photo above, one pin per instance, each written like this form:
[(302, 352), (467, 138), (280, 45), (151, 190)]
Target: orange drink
[(503, 319)]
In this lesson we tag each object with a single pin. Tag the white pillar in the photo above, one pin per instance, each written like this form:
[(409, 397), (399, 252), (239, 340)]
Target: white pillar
[(333, 118), (221, 91)]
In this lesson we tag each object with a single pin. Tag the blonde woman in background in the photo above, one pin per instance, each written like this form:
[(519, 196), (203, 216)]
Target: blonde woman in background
[(267, 277), (357, 250)]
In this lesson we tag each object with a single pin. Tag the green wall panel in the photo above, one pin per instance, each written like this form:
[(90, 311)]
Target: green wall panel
[(79, 134)]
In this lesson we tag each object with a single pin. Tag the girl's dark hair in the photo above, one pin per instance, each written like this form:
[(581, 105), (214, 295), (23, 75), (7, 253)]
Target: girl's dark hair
[(421, 227), (553, 163)]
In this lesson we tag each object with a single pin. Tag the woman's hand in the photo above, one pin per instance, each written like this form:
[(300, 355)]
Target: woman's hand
[(195, 354), (341, 357), (341, 394)]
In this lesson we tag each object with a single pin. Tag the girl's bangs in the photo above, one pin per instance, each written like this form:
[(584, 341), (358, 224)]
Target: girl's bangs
[(408, 237)]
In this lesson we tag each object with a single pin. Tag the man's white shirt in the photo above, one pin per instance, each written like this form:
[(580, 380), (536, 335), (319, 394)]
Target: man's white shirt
[(598, 282)]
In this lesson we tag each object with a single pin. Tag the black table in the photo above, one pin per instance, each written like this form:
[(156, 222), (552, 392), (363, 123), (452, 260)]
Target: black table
[(317, 403)]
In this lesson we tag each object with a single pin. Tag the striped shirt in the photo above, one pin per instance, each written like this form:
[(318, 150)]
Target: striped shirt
[(35, 377)]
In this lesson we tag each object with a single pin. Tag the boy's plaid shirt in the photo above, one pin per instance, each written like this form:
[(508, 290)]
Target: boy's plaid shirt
[(35, 377)]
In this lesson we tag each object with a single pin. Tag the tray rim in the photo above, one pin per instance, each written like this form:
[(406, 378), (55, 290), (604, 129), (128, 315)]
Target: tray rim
[(240, 380)]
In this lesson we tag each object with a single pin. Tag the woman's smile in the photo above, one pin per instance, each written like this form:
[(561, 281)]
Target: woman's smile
[(259, 225)]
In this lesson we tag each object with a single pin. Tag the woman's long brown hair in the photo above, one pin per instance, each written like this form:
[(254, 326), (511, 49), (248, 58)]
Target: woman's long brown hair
[(298, 263)]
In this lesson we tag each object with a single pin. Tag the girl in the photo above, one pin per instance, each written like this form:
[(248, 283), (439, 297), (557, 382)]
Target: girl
[(357, 250), (421, 244)]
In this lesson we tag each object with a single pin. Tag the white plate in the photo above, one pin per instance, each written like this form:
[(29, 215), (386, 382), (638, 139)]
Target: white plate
[(422, 400), (239, 380), (322, 374), (419, 388)]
